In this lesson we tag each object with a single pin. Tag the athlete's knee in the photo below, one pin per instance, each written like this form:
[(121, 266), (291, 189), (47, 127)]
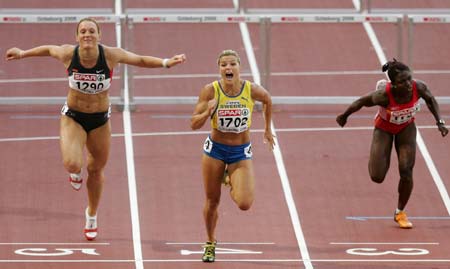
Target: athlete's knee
[(377, 175), (377, 178), (72, 166), (406, 180), (243, 199), (95, 165), (95, 173), (245, 205), (378, 169), (405, 171)]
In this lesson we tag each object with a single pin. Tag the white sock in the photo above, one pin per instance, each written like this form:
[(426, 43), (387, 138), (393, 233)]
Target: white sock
[(398, 211), (77, 177), (91, 222)]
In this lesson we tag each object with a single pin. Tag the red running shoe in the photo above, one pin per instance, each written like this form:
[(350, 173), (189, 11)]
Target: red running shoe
[(76, 183)]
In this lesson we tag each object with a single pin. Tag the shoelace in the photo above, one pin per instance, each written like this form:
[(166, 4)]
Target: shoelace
[(209, 249), (91, 224)]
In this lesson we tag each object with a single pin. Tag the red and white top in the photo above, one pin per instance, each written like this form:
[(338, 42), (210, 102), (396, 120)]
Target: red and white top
[(395, 117)]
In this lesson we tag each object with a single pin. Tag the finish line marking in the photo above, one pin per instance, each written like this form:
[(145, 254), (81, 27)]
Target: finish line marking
[(231, 260), (384, 243), (50, 243), (220, 243), (365, 218), (220, 250)]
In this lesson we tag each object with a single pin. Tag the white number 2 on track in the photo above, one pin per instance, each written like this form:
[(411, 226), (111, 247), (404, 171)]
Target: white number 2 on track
[(376, 252)]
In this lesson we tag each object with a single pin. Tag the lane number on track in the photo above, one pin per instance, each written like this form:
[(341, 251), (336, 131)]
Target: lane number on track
[(55, 252), (376, 252)]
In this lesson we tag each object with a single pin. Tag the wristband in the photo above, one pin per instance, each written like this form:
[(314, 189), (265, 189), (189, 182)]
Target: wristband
[(21, 53), (164, 63)]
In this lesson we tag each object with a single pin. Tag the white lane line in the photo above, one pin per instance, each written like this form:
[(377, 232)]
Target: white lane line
[(221, 243), (34, 80), (49, 243), (366, 218), (317, 260), (384, 243), (132, 188), (214, 75), (375, 43), (25, 139), (318, 129), (68, 261), (357, 4), (129, 152), (186, 252), (278, 157), (434, 172), (363, 261), (291, 205), (420, 142)]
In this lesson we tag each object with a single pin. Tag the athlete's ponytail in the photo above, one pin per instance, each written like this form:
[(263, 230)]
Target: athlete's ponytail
[(393, 68)]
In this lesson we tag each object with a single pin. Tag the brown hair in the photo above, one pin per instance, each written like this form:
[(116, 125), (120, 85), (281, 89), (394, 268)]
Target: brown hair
[(228, 53), (91, 20)]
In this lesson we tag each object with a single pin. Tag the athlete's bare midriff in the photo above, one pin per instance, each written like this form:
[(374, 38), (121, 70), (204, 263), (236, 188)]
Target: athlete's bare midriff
[(232, 139), (88, 103)]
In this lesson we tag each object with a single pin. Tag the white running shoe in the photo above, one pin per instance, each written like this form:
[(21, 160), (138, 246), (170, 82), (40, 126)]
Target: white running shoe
[(90, 230), (75, 181)]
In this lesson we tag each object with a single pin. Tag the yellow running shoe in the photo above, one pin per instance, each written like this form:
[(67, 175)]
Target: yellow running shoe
[(402, 220), (210, 252)]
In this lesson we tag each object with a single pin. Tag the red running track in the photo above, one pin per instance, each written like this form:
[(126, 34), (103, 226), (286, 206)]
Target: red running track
[(346, 221)]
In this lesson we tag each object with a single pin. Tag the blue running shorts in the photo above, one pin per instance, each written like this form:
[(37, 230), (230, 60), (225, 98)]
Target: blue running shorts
[(227, 154)]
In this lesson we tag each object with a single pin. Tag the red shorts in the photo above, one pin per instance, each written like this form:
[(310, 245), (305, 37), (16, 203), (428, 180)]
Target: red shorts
[(390, 127)]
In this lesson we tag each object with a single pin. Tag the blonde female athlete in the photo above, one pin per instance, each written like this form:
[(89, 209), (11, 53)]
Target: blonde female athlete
[(228, 103), (85, 116)]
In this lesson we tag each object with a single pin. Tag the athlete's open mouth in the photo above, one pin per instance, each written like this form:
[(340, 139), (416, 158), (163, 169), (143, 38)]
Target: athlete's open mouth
[(229, 75)]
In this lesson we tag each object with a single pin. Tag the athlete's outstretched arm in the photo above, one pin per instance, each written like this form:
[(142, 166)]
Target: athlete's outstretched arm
[(58, 52), (119, 55), (377, 97)]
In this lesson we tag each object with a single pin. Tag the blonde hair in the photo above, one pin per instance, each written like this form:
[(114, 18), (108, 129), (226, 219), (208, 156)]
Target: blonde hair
[(228, 52), (91, 20)]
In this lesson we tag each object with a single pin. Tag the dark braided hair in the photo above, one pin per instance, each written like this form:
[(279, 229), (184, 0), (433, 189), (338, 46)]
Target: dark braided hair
[(393, 68)]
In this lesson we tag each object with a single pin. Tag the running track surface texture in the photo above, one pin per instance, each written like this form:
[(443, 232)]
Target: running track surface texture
[(315, 206)]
